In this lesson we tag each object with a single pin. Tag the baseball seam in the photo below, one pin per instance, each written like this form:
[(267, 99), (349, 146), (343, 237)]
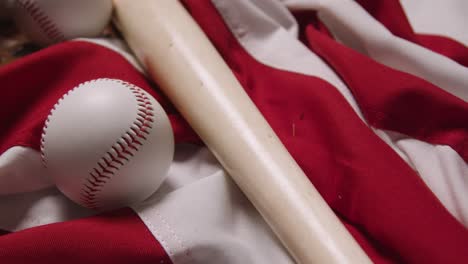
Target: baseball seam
[(44, 22), (120, 152)]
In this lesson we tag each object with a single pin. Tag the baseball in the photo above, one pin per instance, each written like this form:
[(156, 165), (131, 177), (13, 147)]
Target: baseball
[(51, 21), (107, 144)]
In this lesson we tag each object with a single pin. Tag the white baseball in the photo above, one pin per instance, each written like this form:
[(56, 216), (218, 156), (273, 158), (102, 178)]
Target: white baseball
[(107, 144), (51, 21)]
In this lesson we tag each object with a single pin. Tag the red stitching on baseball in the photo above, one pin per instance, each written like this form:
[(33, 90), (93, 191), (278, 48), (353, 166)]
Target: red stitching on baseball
[(120, 153), (46, 24), (97, 179)]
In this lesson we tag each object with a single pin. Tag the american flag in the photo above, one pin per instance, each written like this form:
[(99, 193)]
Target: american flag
[(368, 96)]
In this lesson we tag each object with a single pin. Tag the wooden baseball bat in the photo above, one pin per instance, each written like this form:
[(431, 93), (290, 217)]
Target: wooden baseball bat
[(180, 58)]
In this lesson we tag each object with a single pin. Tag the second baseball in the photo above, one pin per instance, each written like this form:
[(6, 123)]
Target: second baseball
[(51, 21)]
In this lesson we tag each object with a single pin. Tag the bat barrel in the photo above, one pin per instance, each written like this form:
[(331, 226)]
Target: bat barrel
[(180, 58)]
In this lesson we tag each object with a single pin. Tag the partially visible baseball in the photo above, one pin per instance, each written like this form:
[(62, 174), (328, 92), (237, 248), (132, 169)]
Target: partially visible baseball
[(107, 144), (51, 21)]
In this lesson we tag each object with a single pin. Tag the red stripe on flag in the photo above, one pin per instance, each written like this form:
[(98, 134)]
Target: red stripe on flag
[(116, 237), (395, 100)]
